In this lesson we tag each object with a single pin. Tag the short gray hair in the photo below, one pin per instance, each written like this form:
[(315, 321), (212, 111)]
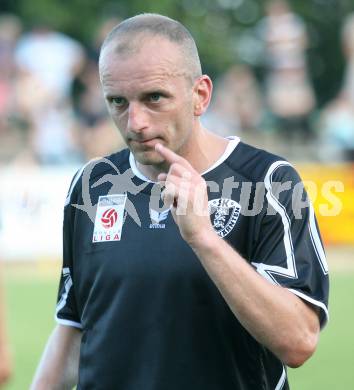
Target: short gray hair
[(150, 24)]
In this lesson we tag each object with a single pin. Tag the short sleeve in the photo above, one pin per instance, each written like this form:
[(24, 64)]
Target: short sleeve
[(66, 309), (288, 250)]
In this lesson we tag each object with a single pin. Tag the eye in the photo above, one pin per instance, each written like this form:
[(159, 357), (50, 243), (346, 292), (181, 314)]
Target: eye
[(155, 97), (118, 101)]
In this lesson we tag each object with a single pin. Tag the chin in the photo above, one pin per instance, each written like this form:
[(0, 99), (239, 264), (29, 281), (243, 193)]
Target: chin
[(148, 157)]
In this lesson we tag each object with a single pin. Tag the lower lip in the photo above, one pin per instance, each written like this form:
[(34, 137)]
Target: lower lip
[(149, 143)]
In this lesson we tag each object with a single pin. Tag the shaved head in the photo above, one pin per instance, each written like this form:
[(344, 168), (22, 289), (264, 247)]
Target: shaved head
[(129, 36)]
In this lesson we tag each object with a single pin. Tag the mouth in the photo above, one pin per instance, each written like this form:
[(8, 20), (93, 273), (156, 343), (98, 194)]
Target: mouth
[(145, 143)]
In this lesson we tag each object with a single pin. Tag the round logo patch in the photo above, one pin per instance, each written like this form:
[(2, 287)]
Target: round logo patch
[(224, 214), (109, 218)]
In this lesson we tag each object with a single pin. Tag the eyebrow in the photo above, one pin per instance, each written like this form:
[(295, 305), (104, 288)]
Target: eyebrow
[(158, 91), (142, 95)]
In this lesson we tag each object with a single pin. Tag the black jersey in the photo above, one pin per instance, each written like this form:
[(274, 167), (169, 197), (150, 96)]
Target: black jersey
[(151, 317)]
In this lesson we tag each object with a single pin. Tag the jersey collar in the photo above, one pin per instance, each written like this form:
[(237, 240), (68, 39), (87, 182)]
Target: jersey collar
[(231, 146)]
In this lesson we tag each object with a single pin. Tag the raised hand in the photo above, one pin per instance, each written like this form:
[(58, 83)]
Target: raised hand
[(186, 191)]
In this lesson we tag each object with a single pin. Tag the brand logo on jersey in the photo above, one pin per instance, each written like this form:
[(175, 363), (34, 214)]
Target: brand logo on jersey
[(109, 218), (224, 214), (157, 218)]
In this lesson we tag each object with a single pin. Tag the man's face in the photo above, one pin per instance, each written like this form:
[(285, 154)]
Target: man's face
[(149, 97)]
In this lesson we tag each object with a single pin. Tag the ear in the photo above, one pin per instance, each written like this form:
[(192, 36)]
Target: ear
[(202, 91)]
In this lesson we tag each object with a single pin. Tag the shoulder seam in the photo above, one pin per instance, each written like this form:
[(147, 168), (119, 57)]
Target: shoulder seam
[(75, 180), (274, 166)]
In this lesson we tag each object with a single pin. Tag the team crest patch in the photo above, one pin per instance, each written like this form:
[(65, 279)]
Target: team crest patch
[(224, 214), (109, 218)]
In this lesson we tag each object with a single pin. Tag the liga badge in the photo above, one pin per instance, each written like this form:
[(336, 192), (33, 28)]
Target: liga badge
[(109, 218), (224, 214)]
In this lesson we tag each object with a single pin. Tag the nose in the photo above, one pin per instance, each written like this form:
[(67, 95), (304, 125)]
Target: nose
[(137, 117)]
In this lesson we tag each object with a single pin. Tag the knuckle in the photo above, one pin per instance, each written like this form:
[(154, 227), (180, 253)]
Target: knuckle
[(187, 175), (170, 188), (174, 167)]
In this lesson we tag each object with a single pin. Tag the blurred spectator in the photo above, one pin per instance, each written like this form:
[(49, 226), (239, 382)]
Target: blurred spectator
[(98, 135), (337, 129), (237, 103), (48, 62), (11, 136), (336, 124), (50, 57), (10, 29), (103, 29), (101, 139), (51, 106), (289, 94), (87, 97), (348, 51)]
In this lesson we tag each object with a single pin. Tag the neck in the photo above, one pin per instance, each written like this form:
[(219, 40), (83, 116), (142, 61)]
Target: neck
[(201, 151)]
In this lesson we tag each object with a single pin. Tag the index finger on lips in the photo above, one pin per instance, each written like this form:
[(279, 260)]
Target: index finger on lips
[(171, 157)]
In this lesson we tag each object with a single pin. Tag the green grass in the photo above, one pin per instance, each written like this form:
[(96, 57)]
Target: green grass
[(31, 301), (30, 306), (332, 366)]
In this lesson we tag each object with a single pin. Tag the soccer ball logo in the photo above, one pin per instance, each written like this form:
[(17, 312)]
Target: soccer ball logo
[(109, 218)]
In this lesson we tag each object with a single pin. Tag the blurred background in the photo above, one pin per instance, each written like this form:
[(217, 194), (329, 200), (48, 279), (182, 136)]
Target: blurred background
[(283, 74)]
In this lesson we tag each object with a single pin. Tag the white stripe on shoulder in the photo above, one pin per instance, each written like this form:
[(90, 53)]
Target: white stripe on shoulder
[(76, 179), (74, 324), (73, 183), (316, 241), (67, 286), (313, 302), (281, 382), (266, 270), (68, 283)]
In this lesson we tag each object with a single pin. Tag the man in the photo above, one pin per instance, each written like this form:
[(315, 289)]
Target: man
[(171, 297)]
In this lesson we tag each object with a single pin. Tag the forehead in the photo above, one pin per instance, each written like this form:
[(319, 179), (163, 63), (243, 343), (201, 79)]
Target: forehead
[(151, 61)]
